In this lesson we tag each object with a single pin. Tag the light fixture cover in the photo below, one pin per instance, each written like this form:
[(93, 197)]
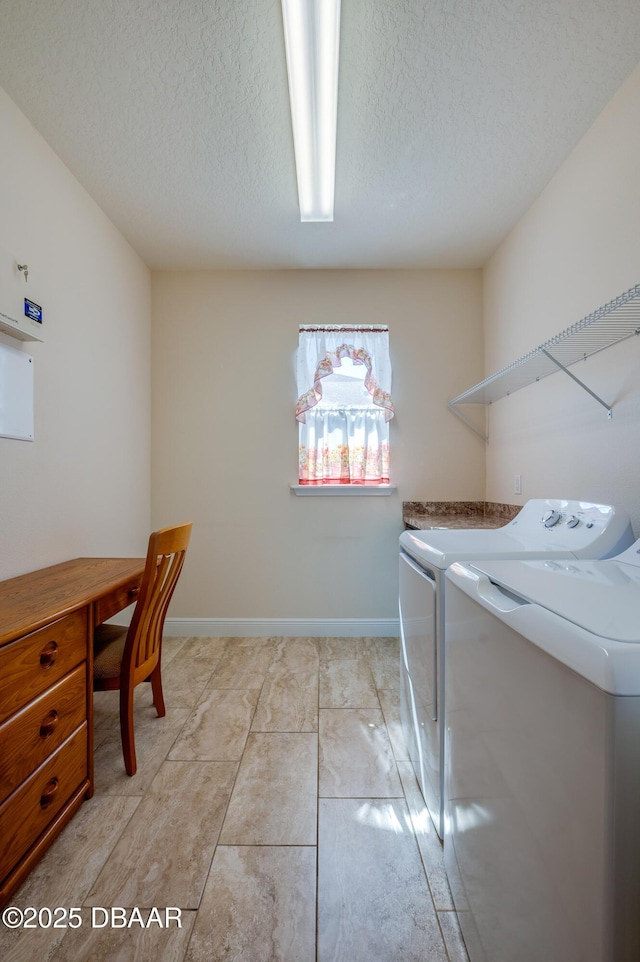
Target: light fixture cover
[(312, 42)]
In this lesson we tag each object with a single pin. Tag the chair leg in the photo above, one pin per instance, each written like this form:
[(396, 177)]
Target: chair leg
[(156, 687), (126, 730)]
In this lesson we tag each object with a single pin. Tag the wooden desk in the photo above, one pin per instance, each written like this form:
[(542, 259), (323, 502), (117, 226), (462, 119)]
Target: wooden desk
[(47, 619)]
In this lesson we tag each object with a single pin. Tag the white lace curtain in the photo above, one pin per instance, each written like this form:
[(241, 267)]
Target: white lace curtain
[(343, 444)]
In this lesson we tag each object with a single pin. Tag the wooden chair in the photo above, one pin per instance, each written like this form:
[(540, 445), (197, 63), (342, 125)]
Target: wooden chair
[(125, 657)]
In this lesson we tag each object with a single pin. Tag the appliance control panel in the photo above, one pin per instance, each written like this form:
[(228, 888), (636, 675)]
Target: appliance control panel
[(551, 518), (574, 525)]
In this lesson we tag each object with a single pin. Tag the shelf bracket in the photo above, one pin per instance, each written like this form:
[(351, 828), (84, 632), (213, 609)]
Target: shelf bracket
[(481, 434), (578, 381)]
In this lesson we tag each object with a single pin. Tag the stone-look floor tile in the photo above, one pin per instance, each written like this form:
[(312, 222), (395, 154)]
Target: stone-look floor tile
[(331, 648), (190, 670), (218, 727), (131, 943), (259, 905), (347, 683), (106, 710), (171, 647), (390, 704), (66, 873), (239, 641), (384, 658), (274, 807), (100, 735), (289, 697), (164, 854), (208, 647), (355, 755), (153, 737), (453, 937), (429, 844), (298, 654), (27, 945), (274, 800), (242, 666), (288, 703), (380, 645), (373, 900)]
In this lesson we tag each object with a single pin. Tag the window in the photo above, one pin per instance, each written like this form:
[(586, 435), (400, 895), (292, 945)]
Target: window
[(344, 405)]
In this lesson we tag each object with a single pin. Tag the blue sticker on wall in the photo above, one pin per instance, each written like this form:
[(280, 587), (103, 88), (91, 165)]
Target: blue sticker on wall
[(32, 310)]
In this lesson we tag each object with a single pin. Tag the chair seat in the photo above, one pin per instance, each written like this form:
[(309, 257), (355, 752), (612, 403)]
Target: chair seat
[(108, 646)]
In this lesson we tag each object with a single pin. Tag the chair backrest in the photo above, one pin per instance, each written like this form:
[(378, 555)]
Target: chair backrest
[(165, 558)]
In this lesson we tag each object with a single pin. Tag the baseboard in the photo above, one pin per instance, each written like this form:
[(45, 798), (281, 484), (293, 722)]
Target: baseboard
[(282, 627)]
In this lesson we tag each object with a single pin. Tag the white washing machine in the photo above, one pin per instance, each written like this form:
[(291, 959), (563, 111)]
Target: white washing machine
[(566, 529), (542, 781)]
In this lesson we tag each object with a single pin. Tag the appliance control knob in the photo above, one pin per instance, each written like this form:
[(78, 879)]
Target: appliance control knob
[(550, 518), (573, 522)]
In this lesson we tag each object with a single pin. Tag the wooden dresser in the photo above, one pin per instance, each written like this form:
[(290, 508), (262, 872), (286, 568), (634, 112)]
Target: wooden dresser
[(47, 619)]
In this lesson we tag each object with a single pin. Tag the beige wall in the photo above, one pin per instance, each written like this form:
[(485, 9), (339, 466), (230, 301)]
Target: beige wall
[(82, 486), (577, 248), (225, 438), (224, 454)]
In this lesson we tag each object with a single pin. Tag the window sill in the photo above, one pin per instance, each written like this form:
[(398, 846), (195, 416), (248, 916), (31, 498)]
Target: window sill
[(342, 490)]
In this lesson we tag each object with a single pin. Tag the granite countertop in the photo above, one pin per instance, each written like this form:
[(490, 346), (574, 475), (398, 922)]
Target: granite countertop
[(457, 514)]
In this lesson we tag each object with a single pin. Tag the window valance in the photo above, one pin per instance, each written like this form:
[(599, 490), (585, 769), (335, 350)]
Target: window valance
[(320, 351)]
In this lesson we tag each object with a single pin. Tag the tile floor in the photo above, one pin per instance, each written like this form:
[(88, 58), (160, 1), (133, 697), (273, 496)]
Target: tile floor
[(273, 806)]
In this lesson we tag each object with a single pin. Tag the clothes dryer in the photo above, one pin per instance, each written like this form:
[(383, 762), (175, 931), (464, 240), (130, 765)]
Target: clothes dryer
[(543, 528), (542, 782)]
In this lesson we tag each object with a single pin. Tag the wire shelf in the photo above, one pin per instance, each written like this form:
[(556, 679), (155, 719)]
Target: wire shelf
[(613, 322)]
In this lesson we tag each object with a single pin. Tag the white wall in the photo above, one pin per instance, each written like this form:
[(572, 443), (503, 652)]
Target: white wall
[(225, 437), (82, 486), (577, 248)]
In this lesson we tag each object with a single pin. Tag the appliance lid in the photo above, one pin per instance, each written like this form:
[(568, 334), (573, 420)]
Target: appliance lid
[(571, 529), (439, 549), (602, 597)]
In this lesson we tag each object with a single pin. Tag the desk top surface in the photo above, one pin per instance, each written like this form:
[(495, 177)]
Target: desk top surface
[(32, 600)]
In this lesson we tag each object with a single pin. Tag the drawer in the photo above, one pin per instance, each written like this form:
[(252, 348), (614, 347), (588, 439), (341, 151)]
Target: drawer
[(36, 661), (27, 812), (111, 604), (29, 737)]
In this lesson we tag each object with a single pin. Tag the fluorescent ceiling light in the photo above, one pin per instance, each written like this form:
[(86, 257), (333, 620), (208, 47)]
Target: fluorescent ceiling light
[(312, 41)]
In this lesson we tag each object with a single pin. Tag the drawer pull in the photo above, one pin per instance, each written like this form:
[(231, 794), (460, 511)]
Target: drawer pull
[(49, 793), (133, 592), (48, 654), (49, 723)]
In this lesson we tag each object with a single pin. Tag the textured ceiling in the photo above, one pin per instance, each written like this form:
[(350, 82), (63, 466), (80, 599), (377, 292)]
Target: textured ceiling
[(452, 117)]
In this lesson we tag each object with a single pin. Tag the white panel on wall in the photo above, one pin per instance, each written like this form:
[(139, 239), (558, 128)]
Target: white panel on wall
[(16, 394)]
